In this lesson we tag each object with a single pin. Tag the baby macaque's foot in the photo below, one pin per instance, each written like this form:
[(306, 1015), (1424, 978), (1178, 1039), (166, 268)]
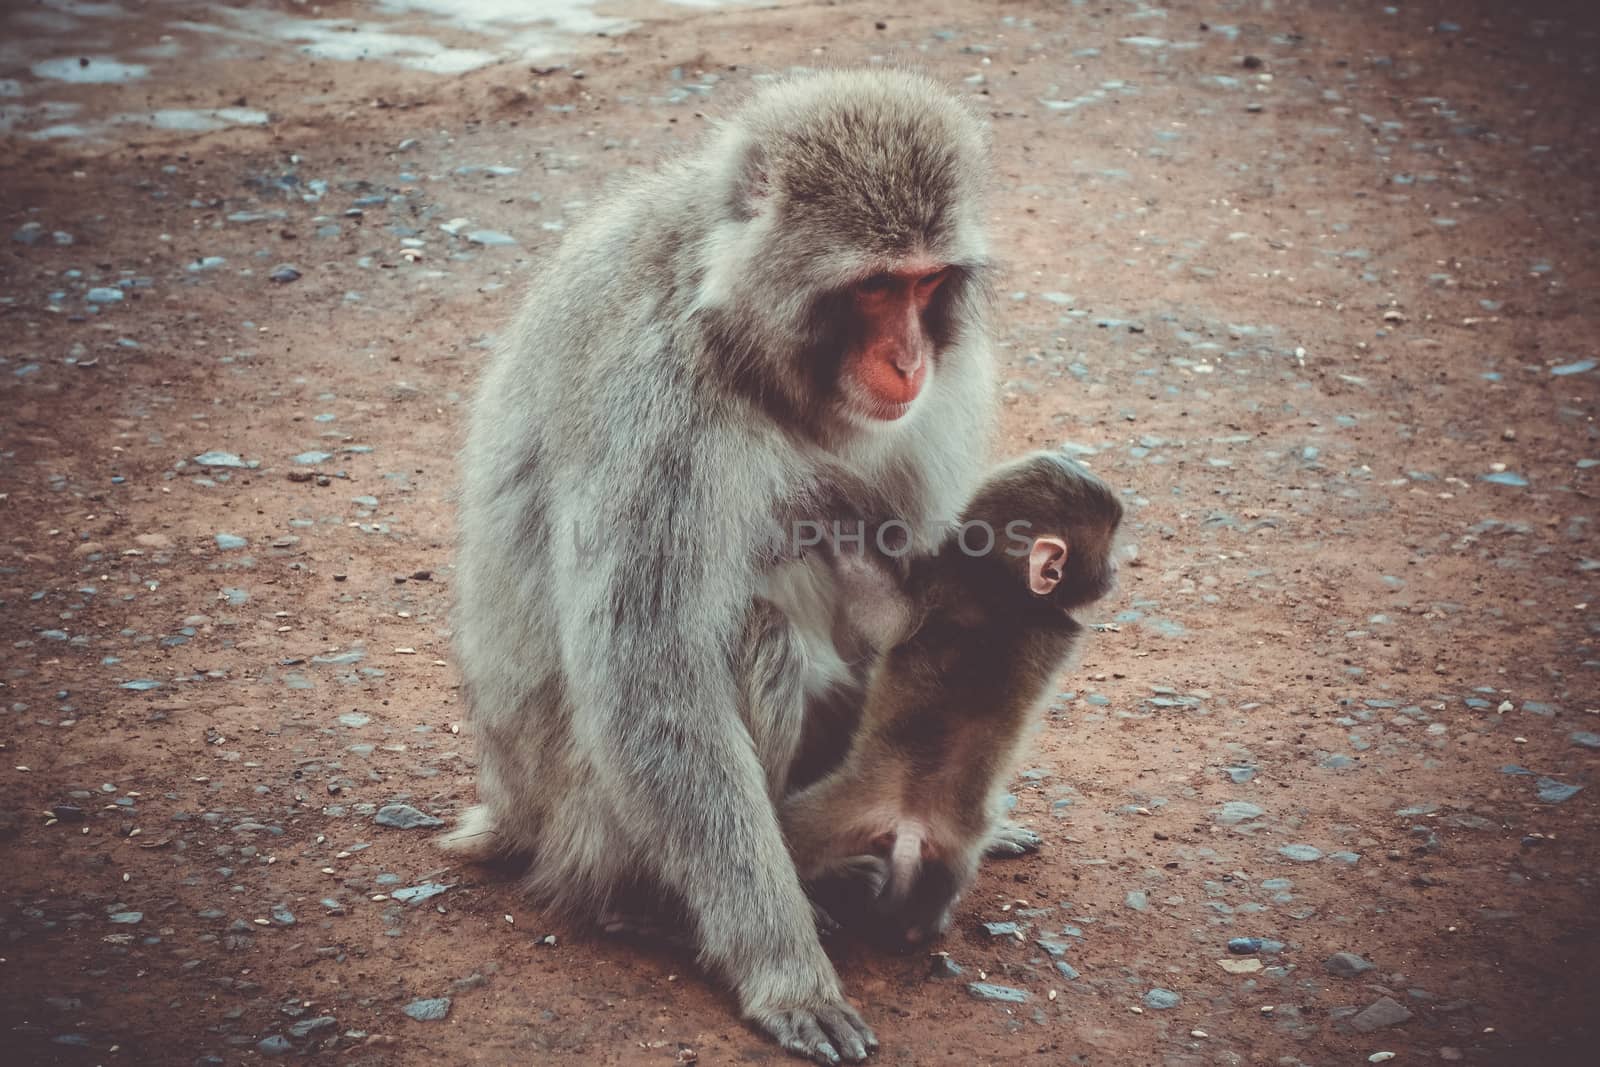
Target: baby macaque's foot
[(642, 925), (1012, 840)]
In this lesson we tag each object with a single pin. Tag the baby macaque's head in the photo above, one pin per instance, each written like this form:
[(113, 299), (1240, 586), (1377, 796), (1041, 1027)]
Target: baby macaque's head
[(1053, 524)]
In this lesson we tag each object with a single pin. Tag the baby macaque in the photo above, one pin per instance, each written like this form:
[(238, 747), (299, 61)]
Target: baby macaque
[(894, 834)]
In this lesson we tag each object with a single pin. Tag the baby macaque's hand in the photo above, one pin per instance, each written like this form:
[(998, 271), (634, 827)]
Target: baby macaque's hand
[(875, 608)]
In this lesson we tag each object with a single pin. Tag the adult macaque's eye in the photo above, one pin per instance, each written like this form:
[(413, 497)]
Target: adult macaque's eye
[(928, 284), (878, 283)]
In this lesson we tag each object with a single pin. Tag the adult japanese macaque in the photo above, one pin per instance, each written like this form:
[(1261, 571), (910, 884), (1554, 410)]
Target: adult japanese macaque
[(785, 326), (894, 834)]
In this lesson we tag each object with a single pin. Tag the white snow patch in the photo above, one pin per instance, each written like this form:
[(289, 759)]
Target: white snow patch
[(181, 120), (29, 114), (89, 70), (452, 61), (86, 10), (566, 16)]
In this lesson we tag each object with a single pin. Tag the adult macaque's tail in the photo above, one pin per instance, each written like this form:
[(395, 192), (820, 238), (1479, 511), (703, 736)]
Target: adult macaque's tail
[(474, 836)]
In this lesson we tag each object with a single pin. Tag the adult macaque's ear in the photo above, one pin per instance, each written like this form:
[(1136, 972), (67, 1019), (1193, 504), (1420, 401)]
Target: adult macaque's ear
[(1046, 560)]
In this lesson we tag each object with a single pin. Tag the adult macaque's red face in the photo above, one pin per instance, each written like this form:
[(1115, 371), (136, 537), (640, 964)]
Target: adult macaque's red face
[(889, 365)]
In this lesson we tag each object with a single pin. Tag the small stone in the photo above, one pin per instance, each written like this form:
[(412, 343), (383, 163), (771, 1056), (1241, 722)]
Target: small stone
[(1383, 1012), (490, 238), (1347, 965), (69, 813), (282, 915), (428, 1009), (990, 991), (404, 817), (1067, 970), (1582, 366), (276, 1045), (231, 542), (943, 966), (306, 1027), (1162, 999), (128, 918), (1235, 812), (1003, 929), (104, 296), (1584, 739), (1300, 853), (1137, 899), (311, 459), (354, 719), (1554, 792), (220, 459), (416, 894), (1511, 478), (1380, 1057), (1246, 966), (283, 274)]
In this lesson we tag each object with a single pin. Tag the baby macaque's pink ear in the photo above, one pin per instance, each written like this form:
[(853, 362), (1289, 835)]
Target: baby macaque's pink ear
[(1046, 559)]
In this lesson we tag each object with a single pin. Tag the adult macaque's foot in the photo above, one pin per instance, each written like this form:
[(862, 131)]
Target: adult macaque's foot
[(1011, 840)]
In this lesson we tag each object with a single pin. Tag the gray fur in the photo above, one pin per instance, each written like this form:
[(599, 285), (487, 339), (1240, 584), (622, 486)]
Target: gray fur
[(661, 401)]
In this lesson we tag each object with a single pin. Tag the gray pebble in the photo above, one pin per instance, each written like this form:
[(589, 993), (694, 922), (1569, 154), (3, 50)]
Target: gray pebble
[(220, 459), (404, 817), (1385, 1011), (1162, 999), (307, 1027), (428, 1009), (990, 991), (1347, 964), (416, 894), (1554, 792), (1301, 853), (1235, 812), (276, 1045)]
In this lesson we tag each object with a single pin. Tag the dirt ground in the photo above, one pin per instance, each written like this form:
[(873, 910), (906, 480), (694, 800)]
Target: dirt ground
[(1314, 281)]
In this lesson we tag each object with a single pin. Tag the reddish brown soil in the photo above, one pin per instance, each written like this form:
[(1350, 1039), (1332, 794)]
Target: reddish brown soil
[(1269, 305)]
